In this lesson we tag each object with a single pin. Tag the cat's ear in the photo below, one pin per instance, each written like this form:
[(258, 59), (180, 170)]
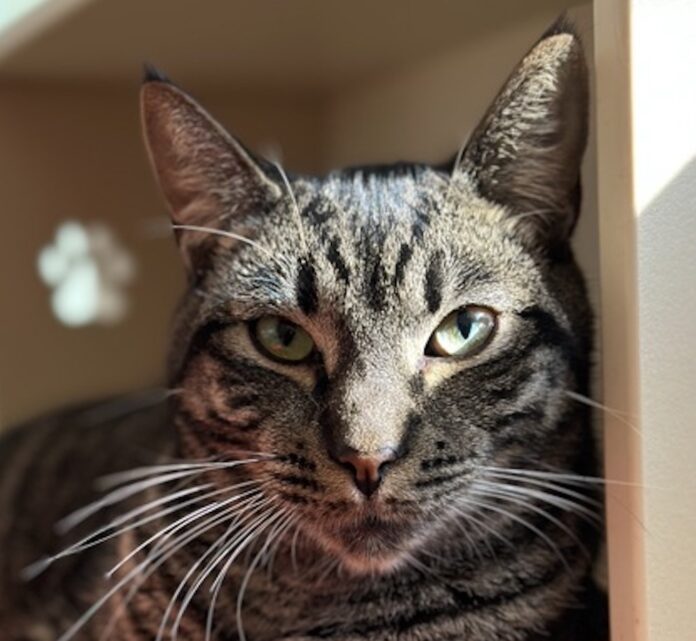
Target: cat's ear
[(210, 181), (526, 152)]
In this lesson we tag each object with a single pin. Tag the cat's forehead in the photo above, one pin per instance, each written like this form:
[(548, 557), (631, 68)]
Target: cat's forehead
[(382, 246), (382, 195)]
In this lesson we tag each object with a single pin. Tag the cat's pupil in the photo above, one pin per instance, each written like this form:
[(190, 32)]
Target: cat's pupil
[(286, 333), (464, 324)]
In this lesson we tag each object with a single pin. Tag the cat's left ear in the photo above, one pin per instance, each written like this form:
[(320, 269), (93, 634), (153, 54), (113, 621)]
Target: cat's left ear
[(526, 152), (210, 181)]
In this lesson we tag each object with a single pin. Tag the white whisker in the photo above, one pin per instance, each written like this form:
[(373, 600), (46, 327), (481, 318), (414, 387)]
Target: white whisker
[(618, 415), (178, 524), (487, 506), (116, 496), (296, 207), (146, 568), (227, 234), (569, 478), (455, 167), (489, 492), (136, 473), (551, 499), (245, 538), (257, 503), (125, 492), (548, 485), (93, 539), (481, 523), (277, 531)]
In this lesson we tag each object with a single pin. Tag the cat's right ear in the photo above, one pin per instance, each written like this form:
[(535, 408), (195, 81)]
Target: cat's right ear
[(526, 152), (210, 181)]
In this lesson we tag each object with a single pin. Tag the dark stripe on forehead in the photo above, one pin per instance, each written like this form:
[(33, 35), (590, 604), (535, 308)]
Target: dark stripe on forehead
[(405, 254), (333, 255), (318, 210), (376, 287), (306, 288), (422, 222), (433, 284)]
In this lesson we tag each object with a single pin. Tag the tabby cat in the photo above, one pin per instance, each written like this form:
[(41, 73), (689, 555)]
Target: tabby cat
[(372, 427)]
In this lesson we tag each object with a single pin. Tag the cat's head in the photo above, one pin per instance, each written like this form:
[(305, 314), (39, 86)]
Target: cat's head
[(386, 333)]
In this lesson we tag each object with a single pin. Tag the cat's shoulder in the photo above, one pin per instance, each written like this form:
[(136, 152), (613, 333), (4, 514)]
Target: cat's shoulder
[(50, 466)]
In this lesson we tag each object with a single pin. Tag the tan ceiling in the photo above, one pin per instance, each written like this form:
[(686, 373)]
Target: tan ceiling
[(278, 43)]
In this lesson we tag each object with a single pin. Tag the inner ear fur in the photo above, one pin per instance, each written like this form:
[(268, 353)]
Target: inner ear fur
[(208, 178)]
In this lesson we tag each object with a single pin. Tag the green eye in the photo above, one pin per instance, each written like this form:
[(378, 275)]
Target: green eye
[(463, 333), (281, 339)]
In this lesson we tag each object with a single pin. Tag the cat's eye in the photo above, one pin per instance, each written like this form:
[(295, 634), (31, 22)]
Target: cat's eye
[(282, 339), (462, 333)]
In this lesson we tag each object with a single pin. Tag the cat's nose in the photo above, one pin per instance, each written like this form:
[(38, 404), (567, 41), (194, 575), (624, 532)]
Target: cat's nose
[(368, 469)]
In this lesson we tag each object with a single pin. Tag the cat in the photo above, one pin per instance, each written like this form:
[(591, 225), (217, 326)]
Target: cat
[(371, 429)]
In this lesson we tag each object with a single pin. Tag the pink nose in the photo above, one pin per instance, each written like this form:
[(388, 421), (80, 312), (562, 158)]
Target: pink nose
[(368, 468)]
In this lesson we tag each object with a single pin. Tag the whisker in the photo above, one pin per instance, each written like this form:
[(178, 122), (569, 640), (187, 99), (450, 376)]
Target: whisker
[(275, 533), (145, 566), (455, 167), (296, 208), (248, 535), (551, 499), (179, 542), (227, 234), (551, 486), (134, 588), (178, 524), (116, 496), (93, 539), (515, 500), (273, 550), (571, 479), (532, 528), (202, 576), (579, 480), (108, 481), (125, 492), (484, 526), (220, 542), (618, 415)]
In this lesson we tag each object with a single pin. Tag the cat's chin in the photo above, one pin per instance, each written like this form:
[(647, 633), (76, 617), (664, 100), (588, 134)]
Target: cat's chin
[(368, 549)]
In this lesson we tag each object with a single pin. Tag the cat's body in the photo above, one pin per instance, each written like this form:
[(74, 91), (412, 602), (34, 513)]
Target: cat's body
[(369, 402)]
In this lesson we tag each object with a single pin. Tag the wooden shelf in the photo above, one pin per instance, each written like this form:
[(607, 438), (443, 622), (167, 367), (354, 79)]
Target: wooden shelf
[(303, 44)]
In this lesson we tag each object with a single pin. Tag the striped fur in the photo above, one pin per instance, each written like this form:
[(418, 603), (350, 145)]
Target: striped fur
[(482, 528)]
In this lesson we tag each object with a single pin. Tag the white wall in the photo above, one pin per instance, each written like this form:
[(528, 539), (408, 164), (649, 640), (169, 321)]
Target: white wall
[(646, 56), (663, 60)]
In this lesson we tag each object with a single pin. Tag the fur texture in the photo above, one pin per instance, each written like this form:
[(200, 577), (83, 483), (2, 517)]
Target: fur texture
[(482, 527)]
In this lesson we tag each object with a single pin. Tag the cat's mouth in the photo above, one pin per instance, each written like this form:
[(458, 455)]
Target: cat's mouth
[(370, 543)]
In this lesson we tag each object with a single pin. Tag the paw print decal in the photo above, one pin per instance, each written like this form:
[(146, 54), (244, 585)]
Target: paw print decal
[(88, 271)]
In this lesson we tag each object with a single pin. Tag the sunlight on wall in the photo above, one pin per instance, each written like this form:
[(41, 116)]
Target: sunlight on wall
[(665, 145), (87, 271), (12, 10)]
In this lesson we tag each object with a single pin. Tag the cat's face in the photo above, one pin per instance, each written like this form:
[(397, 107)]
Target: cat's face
[(384, 334)]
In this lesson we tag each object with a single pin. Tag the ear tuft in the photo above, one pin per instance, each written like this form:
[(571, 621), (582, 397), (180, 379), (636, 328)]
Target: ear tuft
[(152, 74), (562, 25)]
